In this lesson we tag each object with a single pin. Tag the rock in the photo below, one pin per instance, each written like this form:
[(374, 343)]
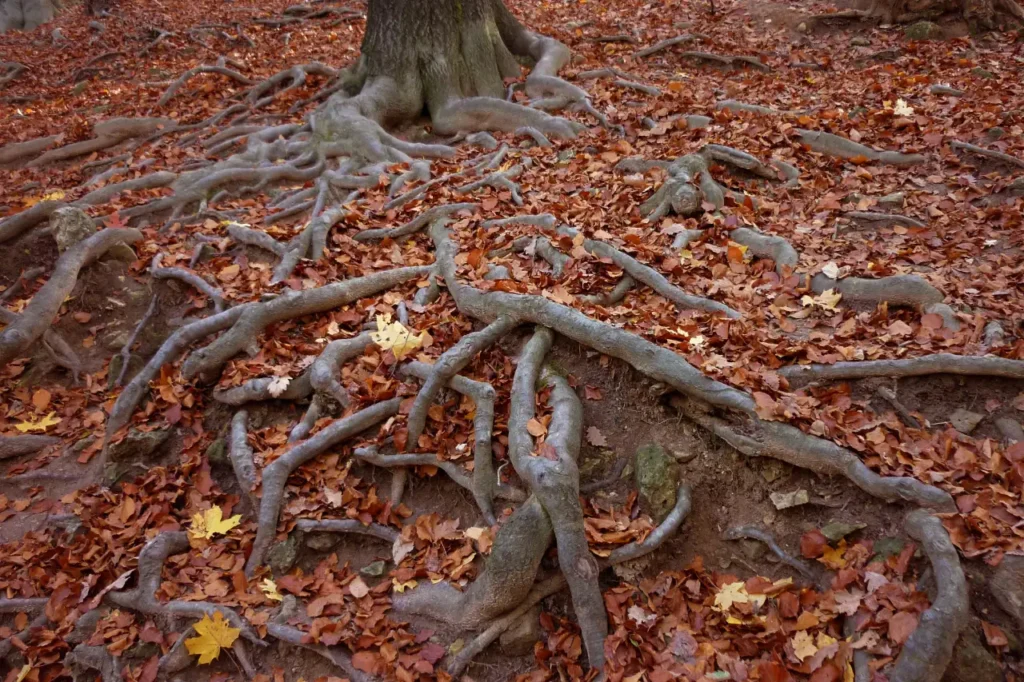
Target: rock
[(836, 530), (121, 252), (894, 200), (860, 41), (657, 477), (140, 651), (135, 363), (965, 421), (217, 452), (802, 27), (972, 661), (138, 445), (982, 73), (519, 639), (923, 30), (790, 499), (1010, 428), (1007, 586), (283, 555), (374, 569), (995, 133), (948, 315), (696, 122), (70, 225), (322, 542)]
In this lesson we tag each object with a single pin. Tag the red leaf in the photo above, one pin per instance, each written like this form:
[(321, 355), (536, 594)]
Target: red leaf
[(365, 661), (432, 652), (149, 669), (813, 544), (994, 635)]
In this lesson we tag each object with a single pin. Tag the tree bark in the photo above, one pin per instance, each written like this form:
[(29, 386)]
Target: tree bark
[(25, 15)]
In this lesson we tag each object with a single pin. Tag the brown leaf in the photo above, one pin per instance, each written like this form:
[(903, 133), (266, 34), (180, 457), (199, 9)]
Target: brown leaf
[(994, 635), (813, 544), (41, 399), (901, 626), (596, 438), (535, 428)]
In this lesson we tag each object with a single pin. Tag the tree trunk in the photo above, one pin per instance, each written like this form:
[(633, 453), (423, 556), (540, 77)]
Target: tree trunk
[(979, 14), (25, 15)]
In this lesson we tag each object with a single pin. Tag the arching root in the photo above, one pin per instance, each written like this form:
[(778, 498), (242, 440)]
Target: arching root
[(651, 277), (485, 485), (16, 446), (323, 375), (761, 535), (499, 180), (447, 366), (767, 246), (940, 363), (545, 221), (670, 42), (126, 349), (190, 278), (219, 68), (612, 297), (834, 145), (540, 246), (143, 598), (928, 650), (885, 218), (275, 475), (241, 456), (38, 315), (415, 225), (727, 60), (987, 153), (734, 105), (255, 317), (349, 526), (254, 390), (108, 134)]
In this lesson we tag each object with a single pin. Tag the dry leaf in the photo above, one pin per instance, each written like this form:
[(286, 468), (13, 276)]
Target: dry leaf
[(212, 522), (46, 422), (357, 588), (278, 385), (535, 428), (803, 645), (596, 438), (41, 399), (213, 635), (269, 588), (393, 336)]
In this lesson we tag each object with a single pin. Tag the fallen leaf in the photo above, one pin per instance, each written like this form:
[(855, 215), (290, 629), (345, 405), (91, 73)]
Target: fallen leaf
[(269, 588), (535, 428), (813, 544), (357, 588), (46, 422), (211, 522), (229, 273), (596, 438), (41, 399), (213, 635), (393, 336), (901, 626), (278, 385), (803, 645)]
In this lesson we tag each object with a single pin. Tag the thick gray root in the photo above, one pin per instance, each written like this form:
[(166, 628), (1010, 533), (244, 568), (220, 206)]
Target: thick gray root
[(323, 376), (834, 145), (884, 218), (190, 278), (255, 390), (258, 238), (38, 315), (335, 654), (447, 366), (540, 246), (670, 42), (16, 446), (651, 277), (499, 180), (987, 153), (143, 598), (414, 225), (612, 297), (241, 456), (485, 486), (219, 69), (897, 290), (275, 475), (767, 246), (108, 134), (545, 221), (928, 650), (940, 363), (255, 317), (349, 526)]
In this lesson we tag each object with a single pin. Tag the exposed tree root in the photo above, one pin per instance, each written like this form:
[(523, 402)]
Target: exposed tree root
[(612, 297), (733, 105), (940, 363), (16, 151), (896, 290), (255, 317), (761, 535), (143, 598), (241, 456), (37, 316), (40, 621), (987, 153), (414, 225), (889, 396), (323, 375), (651, 277), (772, 439), (834, 145), (16, 605), (16, 446), (126, 349), (218, 68), (258, 389), (633, 85), (349, 526), (108, 134), (727, 60), (767, 246), (335, 654), (946, 90), (275, 475), (204, 287), (499, 180), (885, 218), (540, 246), (928, 650), (545, 221), (671, 42), (11, 70), (85, 657), (1011, 429), (447, 366)]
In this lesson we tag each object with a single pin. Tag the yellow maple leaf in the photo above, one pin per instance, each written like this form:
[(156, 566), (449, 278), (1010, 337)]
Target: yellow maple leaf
[(41, 425), (803, 645), (23, 673), (213, 635), (402, 587), (736, 593), (212, 522), (835, 558), (269, 588), (393, 336), (828, 299)]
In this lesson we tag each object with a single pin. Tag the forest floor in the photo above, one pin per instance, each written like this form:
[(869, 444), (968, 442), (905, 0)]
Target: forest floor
[(71, 524)]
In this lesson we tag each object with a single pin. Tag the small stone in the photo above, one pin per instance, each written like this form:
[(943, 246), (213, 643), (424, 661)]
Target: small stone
[(322, 542), (115, 341), (791, 499), (772, 470), (948, 315), (217, 452), (697, 122), (70, 225), (982, 73), (887, 547), (138, 445), (283, 555), (566, 155), (802, 27), (519, 639), (657, 477), (965, 421), (836, 530), (972, 661), (752, 549), (995, 133), (860, 41), (923, 30), (374, 569), (1007, 586), (121, 252), (894, 200), (135, 363)]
